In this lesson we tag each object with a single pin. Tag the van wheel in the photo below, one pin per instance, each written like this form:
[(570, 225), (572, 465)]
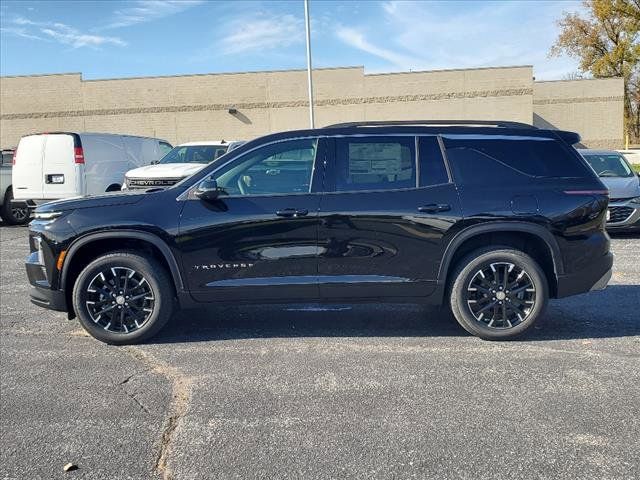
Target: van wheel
[(113, 188), (10, 214), (498, 293), (123, 298)]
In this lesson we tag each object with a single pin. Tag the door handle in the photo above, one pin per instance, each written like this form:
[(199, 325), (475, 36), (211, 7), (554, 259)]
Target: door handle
[(292, 212), (434, 207)]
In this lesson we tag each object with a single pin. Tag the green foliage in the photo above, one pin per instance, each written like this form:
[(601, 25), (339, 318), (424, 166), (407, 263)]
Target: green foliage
[(606, 44)]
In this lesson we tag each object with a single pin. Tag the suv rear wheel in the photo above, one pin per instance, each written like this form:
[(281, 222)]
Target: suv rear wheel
[(498, 293), (123, 297)]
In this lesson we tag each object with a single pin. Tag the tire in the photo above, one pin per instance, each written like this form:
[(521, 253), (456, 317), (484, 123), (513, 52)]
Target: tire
[(489, 310), (110, 315), (10, 215)]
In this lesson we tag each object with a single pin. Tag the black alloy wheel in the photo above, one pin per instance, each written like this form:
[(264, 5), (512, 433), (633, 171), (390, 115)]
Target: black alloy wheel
[(498, 292), (119, 299), (501, 295), (123, 297)]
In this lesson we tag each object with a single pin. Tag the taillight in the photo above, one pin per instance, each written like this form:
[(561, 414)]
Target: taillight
[(79, 155), (15, 154)]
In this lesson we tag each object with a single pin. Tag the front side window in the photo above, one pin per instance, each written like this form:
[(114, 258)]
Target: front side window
[(194, 154), (277, 169), (375, 163), (609, 165)]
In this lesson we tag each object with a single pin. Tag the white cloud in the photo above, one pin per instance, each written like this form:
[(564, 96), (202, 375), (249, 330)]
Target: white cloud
[(149, 10), (58, 32), (262, 33), (20, 32), (357, 40), (70, 36), (430, 35)]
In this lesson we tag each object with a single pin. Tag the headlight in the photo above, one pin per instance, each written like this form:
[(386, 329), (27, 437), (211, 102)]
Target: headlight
[(636, 201), (47, 215)]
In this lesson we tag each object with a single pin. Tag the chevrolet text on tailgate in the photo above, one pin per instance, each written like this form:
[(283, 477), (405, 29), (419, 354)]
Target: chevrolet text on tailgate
[(488, 218)]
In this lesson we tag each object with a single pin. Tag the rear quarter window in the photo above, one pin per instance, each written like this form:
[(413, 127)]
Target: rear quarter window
[(479, 159)]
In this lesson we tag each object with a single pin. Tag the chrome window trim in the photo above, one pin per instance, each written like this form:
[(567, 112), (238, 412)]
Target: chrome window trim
[(187, 193), (417, 160), (445, 158)]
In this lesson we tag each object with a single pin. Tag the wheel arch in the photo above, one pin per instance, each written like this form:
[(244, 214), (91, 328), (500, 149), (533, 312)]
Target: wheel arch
[(95, 244), (530, 238)]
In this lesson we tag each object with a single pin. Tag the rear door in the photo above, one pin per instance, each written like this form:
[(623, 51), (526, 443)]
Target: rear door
[(27, 176), (61, 176), (384, 221)]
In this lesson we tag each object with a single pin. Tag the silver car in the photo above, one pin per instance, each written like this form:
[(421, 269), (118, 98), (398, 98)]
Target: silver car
[(623, 184)]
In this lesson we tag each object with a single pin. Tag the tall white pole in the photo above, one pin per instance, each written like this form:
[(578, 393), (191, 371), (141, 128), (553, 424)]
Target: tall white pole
[(309, 77)]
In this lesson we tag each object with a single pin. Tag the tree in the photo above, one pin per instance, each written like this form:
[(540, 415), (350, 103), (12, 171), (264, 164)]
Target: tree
[(606, 43)]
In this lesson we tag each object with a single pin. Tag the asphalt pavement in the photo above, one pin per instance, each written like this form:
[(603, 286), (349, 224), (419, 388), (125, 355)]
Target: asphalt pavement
[(306, 391)]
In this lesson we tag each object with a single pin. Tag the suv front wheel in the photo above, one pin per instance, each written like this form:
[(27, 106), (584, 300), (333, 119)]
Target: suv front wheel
[(498, 293), (123, 298)]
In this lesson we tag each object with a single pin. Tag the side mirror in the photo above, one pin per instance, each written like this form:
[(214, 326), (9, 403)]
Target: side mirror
[(208, 190)]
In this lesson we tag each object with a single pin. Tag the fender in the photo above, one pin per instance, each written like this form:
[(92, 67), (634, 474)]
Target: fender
[(524, 227), (132, 234)]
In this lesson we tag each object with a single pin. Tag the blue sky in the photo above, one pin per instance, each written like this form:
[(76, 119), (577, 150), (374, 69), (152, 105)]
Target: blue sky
[(112, 39)]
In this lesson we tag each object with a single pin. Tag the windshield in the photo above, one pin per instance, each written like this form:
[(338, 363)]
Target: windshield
[(609, 165), (195, 154)]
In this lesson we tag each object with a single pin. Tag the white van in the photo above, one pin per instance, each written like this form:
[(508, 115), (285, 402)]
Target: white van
[(51, 166)]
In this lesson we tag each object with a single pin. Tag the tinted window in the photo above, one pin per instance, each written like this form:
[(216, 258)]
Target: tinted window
[(472, 167), (281, 168), (7, 158), (195, 154), (608, 165), (375, 163), (532, 156), (432, 168)]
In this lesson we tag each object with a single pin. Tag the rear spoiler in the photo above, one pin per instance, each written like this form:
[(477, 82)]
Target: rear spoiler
[(570, 137)]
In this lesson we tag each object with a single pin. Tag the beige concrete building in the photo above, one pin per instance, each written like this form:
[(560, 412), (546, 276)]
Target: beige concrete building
[(196, 107)]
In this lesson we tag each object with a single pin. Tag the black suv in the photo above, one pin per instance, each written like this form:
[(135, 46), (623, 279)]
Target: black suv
[(489, 218)]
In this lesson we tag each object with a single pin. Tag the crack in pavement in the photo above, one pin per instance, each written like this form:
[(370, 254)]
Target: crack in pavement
[(135, 399), (180, 399)]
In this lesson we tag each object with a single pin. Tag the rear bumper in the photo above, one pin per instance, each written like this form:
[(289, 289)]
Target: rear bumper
[(41, 292), (595, 277)]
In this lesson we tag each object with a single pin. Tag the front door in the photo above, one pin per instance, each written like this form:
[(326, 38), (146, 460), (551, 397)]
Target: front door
[(258, 240), (384, 222)]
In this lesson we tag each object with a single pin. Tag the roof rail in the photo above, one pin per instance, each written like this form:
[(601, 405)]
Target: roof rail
[(484, 123)]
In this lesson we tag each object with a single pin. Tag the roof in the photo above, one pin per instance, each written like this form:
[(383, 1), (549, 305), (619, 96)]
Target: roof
[(586, 151), (207, 142), (416, 129)]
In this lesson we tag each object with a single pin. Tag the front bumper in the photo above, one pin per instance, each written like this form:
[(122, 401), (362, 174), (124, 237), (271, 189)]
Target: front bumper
[(594, 277), (623, 216), (41, 292)]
